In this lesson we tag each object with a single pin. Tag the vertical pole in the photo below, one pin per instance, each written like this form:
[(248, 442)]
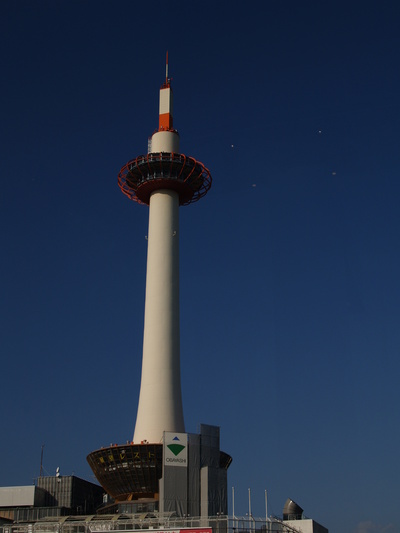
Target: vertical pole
[(249, 503), (41, 462), (250, 526)]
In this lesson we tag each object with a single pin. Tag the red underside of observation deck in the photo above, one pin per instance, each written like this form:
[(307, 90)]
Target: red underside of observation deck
[(140, 177)]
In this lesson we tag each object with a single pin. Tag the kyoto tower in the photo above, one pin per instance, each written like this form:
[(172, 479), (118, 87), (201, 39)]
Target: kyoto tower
[(164, 179)]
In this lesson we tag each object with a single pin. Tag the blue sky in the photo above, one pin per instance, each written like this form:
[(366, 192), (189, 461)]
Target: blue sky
[(290, 265)]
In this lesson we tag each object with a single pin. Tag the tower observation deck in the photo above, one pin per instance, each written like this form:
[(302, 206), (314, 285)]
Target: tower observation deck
[(164, 179)]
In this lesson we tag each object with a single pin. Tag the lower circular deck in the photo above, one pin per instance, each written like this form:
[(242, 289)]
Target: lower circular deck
[(130, 470)]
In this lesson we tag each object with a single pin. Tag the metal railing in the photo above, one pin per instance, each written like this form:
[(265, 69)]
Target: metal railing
[(150, 521)]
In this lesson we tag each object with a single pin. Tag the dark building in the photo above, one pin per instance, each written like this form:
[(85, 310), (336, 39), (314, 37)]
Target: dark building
[(52, 496)]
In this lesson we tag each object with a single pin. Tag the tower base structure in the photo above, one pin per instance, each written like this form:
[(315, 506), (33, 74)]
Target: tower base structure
[(185, 475)]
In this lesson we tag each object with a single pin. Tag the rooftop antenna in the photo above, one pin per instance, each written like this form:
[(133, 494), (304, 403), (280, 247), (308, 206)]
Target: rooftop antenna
[(41, 462)]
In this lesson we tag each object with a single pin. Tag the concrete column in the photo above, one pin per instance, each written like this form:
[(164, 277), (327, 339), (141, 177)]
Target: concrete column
[(160, 402)]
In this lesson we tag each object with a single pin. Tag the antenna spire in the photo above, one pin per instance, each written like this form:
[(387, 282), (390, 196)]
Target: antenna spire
[(166, 70), (41, 462)]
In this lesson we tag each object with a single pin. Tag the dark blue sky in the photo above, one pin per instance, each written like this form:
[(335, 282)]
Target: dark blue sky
[(289, 267)]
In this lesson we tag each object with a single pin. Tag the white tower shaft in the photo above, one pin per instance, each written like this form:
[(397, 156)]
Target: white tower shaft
[(160, 402)]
